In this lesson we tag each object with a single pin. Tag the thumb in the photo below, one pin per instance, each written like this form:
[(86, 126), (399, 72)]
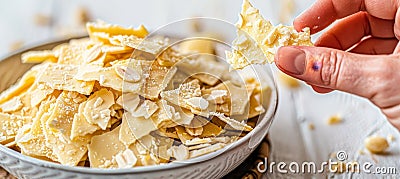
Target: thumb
[(334, 69)]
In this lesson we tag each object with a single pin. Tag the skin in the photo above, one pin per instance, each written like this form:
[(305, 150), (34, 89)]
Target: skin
[(358, 54)]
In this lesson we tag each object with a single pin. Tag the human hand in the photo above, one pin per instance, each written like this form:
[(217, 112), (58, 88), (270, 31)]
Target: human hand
[(359, 54)]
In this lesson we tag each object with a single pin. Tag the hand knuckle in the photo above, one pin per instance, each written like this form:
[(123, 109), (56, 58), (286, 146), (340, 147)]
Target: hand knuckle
[(383, 79), (331, 64), (385, 72)]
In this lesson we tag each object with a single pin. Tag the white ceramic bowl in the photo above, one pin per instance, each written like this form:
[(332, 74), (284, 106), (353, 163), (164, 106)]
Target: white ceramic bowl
[(212, 165)]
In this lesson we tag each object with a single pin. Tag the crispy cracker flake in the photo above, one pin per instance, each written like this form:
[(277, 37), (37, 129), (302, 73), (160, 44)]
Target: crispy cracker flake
[(206, 150), (12, 105), (255, 34), (38, 56), (153, 46), (112, 30), (180, 152), (233, 123)]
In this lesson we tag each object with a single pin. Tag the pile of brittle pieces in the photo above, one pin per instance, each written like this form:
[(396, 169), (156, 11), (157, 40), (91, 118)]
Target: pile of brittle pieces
[(120, 99)]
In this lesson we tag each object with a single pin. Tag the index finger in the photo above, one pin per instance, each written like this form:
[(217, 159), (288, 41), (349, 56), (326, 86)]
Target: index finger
[(323, 12)]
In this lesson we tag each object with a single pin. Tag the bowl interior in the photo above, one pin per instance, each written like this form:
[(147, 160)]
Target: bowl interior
[(11, 69)]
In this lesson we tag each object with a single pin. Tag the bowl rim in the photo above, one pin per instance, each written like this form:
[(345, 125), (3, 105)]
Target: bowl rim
[(265, 123)]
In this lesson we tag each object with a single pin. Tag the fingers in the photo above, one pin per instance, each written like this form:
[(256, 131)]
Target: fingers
[(323, 12), (334, 69), (397, 49), (350, 30), (393, 114), (375, 46), (397, 25), (321, 89)]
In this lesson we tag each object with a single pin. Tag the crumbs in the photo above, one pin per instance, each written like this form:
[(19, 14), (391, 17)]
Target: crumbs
[(334, 120)]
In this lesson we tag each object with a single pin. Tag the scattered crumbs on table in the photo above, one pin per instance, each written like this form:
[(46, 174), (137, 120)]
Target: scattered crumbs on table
[(391, 138), (376, 144), (332, 155), (16, 45), (5, 175), (289, 81), (82, 16), (353, 166), (42, 19), (338, 167), (311, 126)]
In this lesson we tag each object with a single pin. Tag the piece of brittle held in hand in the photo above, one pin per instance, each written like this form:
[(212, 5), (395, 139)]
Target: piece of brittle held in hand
[(255, 33)]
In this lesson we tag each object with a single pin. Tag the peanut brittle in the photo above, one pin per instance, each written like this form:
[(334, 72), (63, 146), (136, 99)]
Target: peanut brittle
[(119, 100), (255, 34)]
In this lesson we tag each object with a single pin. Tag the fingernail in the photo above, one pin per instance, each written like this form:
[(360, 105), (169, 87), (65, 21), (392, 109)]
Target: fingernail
[(292, 60)]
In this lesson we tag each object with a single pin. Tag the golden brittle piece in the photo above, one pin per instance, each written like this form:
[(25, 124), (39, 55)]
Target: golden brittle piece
[(139, 126), (80, 125), (97, 108), (31, 138), (57, 130), (100, 155), (38, 56), (112, 30), (22, 85), (61, 77), (10, 125), (254, 32), (149, 45)]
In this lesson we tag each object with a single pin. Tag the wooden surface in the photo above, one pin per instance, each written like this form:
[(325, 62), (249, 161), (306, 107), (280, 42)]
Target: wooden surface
[(5, 175), (248, 169)]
